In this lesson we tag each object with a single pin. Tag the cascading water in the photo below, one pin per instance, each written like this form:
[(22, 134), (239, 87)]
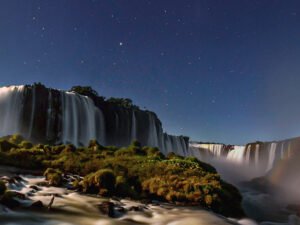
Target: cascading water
[(256, 155), (237, 154), (33, 104), (271, 157), (79, 119), (133, 128), (52, 116), (11, 105), (153, 136)]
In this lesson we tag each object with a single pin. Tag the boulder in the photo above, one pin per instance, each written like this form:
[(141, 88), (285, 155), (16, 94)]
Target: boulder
[(107, 208)]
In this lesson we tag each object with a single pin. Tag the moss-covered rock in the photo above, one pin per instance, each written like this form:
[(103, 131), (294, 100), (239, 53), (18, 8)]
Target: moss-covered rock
[(134, 171), (53, 176), (101, 182)]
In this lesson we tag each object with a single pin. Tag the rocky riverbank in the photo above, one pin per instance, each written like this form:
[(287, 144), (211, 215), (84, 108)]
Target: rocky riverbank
[(35, 202)]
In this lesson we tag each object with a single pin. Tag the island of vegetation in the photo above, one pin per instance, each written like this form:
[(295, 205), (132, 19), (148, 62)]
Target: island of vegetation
[(136, 172)]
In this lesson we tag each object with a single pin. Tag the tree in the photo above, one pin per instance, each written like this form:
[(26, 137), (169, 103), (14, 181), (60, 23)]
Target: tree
[(87, 91)]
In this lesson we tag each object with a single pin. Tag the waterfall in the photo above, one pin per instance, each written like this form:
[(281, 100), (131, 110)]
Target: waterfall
[(49, 115), (79, 116), (271, 157), (11, 106), (33, 105), (237, 154), (153, 136), (248, 152), (133, 127), (100, 130), (256, 156)]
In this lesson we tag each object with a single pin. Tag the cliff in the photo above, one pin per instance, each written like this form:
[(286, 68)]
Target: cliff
[(53, 116)]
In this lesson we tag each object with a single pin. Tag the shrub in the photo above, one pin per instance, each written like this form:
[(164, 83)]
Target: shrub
[(123, 188), (5, 146), (54, 176), (16, 139), (26, 144), (102, 179)]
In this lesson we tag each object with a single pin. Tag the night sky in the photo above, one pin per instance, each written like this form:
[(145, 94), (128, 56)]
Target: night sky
[(224, 71)]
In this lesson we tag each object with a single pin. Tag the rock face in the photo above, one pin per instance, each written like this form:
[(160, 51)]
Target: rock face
[(53, 116)]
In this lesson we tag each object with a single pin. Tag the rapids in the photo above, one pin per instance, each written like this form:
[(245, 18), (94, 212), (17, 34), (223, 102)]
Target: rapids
[(72, 208)]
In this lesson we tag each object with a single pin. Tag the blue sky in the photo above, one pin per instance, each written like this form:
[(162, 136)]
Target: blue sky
[(223, 71)]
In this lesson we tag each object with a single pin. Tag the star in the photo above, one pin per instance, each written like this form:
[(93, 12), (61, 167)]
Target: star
[(121, 43)]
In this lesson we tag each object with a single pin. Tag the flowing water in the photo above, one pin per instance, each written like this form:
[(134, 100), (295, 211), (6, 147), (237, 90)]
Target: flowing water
[(68, 117), (278, 162), (72, 208)]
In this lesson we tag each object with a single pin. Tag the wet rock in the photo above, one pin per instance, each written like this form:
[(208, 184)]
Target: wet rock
[(139, 208), (34, 187), (37, 205), (8, 180), (120, 209), (43, 184), (107, 208), (18, 178), (9, 199), (146, 201)]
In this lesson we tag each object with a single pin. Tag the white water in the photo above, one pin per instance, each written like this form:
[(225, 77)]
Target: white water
[(72, 208), (255, 159), (11, 103), (79, 116), (80, 120), (237, 154), (133, 127), (153, 134), (256, 155), (271, 158), (33, 104)]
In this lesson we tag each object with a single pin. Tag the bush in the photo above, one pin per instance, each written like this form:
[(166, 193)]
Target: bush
[(54, 176), (102, 179), (16, 139), (26, 144), (123, 188), (134, 171), (5, 146), (94, 145)]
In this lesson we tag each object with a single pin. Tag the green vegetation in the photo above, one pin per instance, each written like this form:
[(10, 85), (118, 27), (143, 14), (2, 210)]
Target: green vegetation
[(54, 176), (87, 91), (135, 171), (90, 92), (122, 102)]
